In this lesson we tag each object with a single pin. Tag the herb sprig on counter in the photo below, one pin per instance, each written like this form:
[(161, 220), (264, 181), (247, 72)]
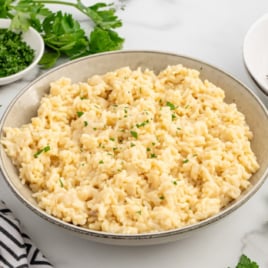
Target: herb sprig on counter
[(62, 33), (246, 262)]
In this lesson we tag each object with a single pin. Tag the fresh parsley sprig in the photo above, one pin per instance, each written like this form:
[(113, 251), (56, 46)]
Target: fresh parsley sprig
[(246, 262), (62, 34)]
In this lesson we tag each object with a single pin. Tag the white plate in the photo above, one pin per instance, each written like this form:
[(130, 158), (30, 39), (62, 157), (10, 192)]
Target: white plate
[(255, 52)]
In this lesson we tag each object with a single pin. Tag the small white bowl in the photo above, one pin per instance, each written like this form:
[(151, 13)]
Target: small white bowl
[(35, 41)]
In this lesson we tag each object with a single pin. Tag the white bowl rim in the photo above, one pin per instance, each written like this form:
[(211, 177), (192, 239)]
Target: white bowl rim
[(252, 28)]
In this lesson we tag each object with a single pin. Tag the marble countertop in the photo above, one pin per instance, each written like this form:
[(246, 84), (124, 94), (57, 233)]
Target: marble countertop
[(212, 31)]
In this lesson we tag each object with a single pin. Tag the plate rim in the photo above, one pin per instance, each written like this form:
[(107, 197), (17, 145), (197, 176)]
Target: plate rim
[(251, 29)]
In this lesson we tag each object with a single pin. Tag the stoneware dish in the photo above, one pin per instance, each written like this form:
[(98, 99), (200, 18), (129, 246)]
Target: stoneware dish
[(24, 106), (35, 41)]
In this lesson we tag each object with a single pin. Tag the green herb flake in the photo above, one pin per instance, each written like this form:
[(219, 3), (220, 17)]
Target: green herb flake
[(61, 183), (142, 124), (148, 149), (132, 144), (94, 128), (170, 105), (79, 113), (153, 156), (161, 197), (175, 182), (45, 149), (138, 212), (85, 123), (101, 162), (111, 139), (185, 161), (134, 134), (173, 117)]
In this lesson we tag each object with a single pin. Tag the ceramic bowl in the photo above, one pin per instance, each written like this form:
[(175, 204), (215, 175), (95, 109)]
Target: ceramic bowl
[(25, 104), (35, 41)]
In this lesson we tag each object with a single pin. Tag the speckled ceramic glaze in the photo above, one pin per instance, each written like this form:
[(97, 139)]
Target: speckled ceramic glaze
[(24, 106)]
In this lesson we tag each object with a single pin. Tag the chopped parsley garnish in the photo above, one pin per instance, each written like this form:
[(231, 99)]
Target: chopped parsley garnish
[(142, 124), (161, 197), (101, 162), (171, 105), (132, 144), (79, 113), (175, 182), (173, 117), (185, 161), (148, 149), (134, 134), (61, 183), (15, 54), (153, 156), (111, 139), (138, 212), (85, 123), (45, 149)]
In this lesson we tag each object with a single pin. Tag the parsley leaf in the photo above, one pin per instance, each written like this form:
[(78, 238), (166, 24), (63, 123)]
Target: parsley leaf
[(104, 18), (62, 34), (104, 40), (246, 262)]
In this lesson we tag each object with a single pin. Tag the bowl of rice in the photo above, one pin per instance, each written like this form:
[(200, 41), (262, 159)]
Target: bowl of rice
[(134, 147)]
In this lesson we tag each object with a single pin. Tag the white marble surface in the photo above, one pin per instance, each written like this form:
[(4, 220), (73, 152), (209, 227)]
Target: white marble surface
[(212, 31)]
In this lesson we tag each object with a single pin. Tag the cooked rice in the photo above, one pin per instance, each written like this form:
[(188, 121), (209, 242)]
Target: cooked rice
[(133, 152)]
